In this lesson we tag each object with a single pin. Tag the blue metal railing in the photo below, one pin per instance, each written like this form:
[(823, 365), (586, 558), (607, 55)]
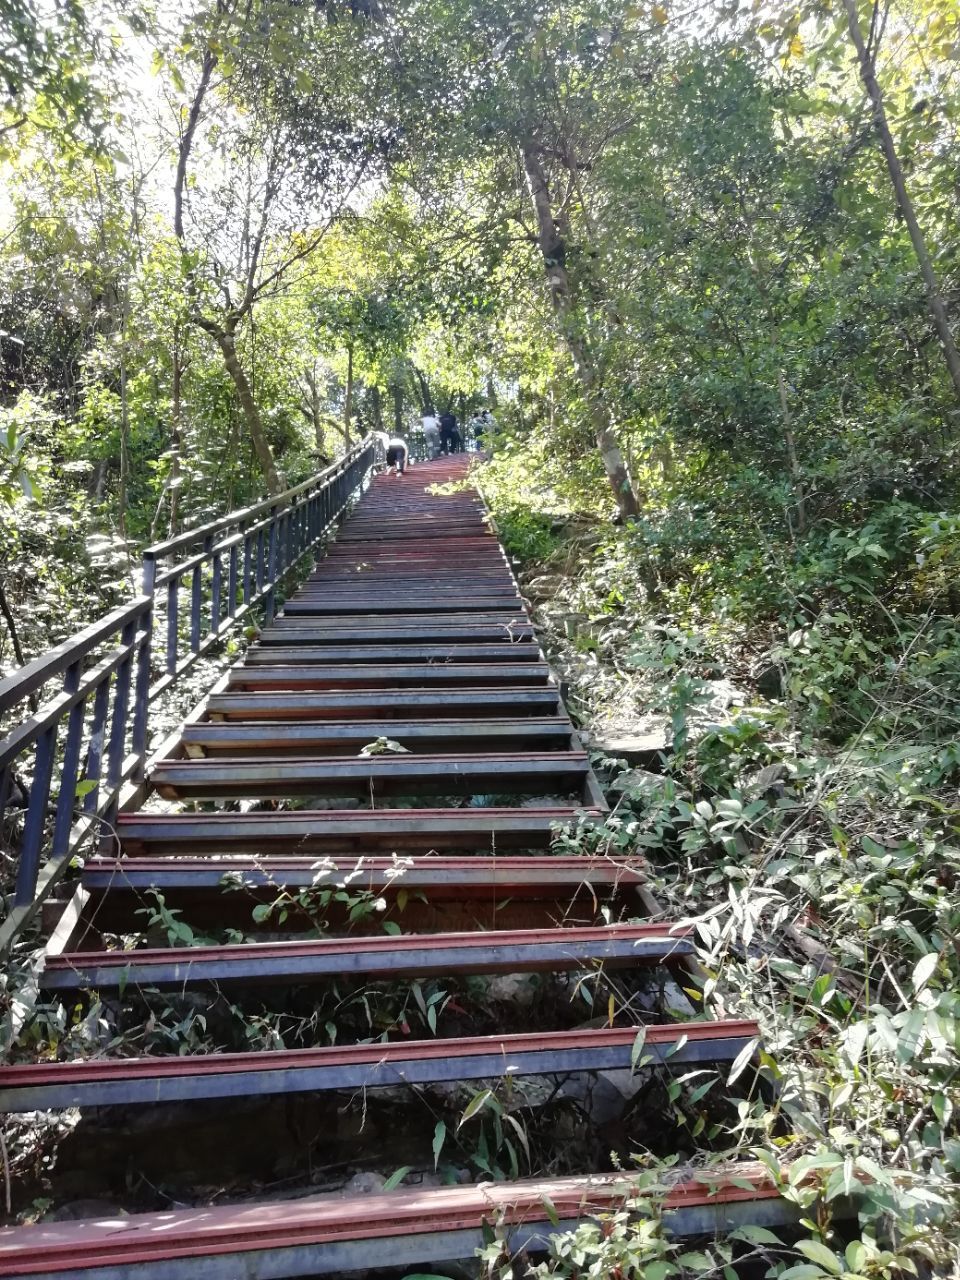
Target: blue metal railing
[(64, 767)]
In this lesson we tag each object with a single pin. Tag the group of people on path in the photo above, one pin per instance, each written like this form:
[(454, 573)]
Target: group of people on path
[(441, 435)]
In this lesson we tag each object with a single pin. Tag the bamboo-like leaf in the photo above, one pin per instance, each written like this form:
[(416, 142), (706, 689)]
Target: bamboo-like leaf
[(439, 1137), (742, 1059)]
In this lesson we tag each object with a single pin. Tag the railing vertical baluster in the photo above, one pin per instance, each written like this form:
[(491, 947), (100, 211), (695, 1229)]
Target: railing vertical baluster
[(232, 574), (118, 731), (216, 589), (247, 568), (260, 560), (67, 798), (196, 601), (6, 779), (272, 592), (141, 693), (173, 623), (95, 747), (141, 696), (35, 821)]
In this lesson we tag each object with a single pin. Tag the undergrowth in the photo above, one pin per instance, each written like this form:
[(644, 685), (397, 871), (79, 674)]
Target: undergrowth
[(802, 814)]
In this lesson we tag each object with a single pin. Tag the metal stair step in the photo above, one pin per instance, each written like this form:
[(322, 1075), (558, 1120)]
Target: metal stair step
[(413, 1227), (389, 676), (479, 876), (365, 703), (406, 956), (267, 739), (305, 655), (117, 1081), (388, 774), (341, 831)]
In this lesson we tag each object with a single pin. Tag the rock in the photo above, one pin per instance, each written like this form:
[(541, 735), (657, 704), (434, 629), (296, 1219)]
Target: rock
[(641, 780), (717, 696), (78, 1210), (638, 748), (515, 988), (333, 802), (545, 586), (546, 802), (366, 1183), (769, 681), (603, 1096)]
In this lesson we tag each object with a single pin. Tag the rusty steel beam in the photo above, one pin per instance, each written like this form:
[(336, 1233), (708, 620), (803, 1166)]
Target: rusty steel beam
[(364, 703), (389, 676), (387, 774), (339, 831), (478, 875), (118, 1081), (304, 737), (411, 955), (306, 655), (411, 1227)]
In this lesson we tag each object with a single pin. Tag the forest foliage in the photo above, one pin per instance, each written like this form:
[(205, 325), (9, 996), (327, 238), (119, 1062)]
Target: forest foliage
[(702, 263)]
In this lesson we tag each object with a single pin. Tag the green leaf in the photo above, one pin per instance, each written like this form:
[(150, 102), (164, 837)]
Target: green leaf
[(439, 1136), (818, 1253), (924, 969), (476, 1103), (755, 1235), (658, 1270), (262, 911), (696, 1261), (855, 1255), (637, 1049), (391, 927), (551, 1209), (397, 1177), (742, 1059)]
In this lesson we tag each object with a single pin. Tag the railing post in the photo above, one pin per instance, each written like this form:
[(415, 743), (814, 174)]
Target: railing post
[(35, 821), (216, 591), (272, 570), (141, 693), (118, 728), (232, 574), (71, 763), (95, 747)]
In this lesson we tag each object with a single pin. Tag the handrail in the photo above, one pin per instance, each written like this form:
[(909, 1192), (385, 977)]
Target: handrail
[(158, 550), (54, 662), (60, 790)]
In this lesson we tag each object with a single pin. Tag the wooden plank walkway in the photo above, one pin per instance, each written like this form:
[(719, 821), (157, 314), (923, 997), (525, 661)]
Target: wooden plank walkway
[(411, 633)]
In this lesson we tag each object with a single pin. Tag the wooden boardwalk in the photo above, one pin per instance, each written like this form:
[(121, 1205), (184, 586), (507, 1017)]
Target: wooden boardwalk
[(412, 634)]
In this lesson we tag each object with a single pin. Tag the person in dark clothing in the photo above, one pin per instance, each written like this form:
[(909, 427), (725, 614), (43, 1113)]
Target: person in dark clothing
[(449, 434)]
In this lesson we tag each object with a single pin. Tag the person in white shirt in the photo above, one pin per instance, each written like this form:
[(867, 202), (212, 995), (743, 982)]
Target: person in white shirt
[(395, 450), (431, 433)]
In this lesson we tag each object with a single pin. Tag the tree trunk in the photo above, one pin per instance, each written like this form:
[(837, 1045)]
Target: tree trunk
[(553, 250), (376, 408), (348, 400), (934, 297), (426, 399), (397, 408), (176, 432), (796, 475), (258, 436), (124, 434)]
